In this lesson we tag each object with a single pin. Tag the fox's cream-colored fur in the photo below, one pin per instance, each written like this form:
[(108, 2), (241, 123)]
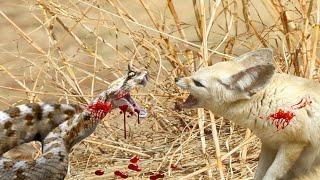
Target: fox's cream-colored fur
[(312, 174), (281, 109)]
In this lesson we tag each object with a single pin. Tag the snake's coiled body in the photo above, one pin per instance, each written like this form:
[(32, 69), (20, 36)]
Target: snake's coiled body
[(40, 122)]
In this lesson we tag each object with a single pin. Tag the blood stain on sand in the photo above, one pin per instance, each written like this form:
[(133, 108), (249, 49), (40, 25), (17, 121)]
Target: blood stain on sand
[(134, 167), (174, 167), (157, 176), (121, 174), (134, 159), (99, 172)]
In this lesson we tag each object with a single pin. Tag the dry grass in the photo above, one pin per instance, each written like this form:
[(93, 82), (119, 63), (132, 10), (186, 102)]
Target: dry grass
[(69, 50)]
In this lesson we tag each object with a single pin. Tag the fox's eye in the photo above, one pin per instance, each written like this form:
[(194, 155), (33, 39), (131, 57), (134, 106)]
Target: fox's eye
[(197, 83)]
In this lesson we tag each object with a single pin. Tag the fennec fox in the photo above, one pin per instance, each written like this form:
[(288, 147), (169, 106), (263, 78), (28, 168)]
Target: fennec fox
[(282, 110)]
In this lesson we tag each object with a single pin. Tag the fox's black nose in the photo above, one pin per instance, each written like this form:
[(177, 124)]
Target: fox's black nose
[(176, 79)]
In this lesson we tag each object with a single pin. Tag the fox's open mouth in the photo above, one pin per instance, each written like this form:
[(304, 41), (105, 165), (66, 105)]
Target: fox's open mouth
[(190, 102)]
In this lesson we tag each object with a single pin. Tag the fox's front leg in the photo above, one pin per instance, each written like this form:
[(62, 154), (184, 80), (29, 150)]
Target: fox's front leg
[(286, 157), (305, 162), (266, 158)]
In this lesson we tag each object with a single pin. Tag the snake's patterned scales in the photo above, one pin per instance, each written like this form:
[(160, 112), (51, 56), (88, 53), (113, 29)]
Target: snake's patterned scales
[(58, 127)]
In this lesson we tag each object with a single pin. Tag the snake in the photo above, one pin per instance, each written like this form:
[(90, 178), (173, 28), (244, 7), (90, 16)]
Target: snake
[(58, 127)]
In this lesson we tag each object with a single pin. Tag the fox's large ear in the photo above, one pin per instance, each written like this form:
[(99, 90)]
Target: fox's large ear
[(249, 81), (260, 56), (256, 75)]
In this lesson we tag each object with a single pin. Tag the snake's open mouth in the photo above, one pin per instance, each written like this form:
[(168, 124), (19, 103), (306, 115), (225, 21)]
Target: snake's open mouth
[(130, 102), (119, 95), (125, 102)]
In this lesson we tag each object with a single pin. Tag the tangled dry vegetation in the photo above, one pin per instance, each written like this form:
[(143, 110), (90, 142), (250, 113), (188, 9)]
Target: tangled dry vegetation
[(69, 50)]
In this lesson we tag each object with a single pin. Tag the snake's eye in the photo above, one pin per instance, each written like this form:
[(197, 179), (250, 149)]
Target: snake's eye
[(131, 74)]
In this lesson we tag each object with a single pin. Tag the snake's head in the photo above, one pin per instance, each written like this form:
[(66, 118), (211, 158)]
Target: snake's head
[(134, 77), (118, 92)]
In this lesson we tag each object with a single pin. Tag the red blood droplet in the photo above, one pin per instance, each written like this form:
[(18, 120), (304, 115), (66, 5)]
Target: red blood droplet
[(173, 166), (99, 172), (117, 173), (153, 177), (134, 167), (124, 125), (138, 112), (127, 95), (124, 108), (121, 174), (134, 159), (157, 176)]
